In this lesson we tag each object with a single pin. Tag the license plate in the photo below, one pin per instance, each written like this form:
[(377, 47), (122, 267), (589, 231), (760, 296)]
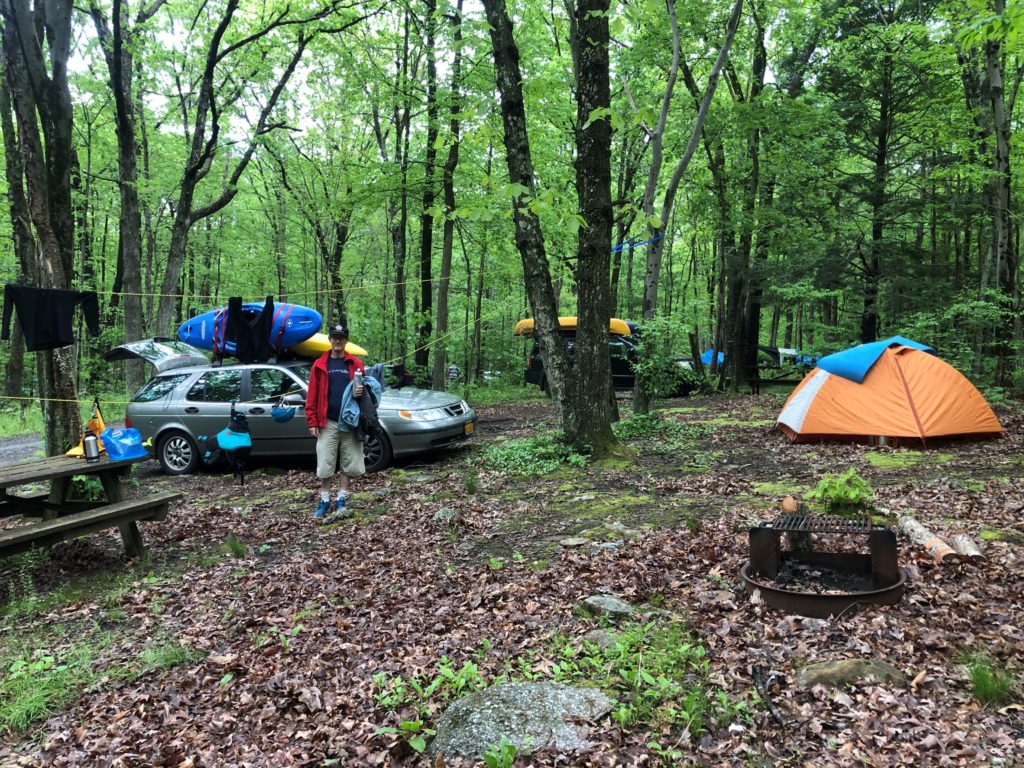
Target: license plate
[(469, 427)]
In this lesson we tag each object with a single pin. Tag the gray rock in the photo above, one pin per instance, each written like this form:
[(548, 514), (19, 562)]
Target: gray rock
[(840, 672), (531, 716), (573, 541), (606, 546), (602, 638), (447, 515), (608, 605)]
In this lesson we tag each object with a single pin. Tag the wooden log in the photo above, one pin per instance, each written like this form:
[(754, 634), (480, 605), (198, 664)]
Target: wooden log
[(936, 548), (967, 548)]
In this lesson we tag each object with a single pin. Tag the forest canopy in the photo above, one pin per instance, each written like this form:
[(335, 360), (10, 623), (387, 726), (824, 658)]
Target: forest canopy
[(850, 177)]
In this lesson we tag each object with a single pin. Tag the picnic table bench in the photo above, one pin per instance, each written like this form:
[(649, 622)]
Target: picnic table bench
[(61, 518)]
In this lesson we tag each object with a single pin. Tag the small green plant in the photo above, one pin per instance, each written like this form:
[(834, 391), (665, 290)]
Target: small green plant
[(471, 482), (37, 685), (414, 731), (166, 656), (234, 546), (87, 488), (845, 492), (501, 755), (532, 455), (495, 563), (991, 686)]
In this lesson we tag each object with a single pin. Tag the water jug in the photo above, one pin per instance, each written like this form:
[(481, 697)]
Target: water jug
[(91, 446)]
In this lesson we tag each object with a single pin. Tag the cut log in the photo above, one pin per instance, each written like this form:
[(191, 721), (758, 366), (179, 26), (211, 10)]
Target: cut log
[(937, 549), (967, 548)]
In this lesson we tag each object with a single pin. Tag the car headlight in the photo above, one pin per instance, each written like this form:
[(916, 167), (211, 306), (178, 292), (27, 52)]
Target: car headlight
[(465, 406), (427, 414)]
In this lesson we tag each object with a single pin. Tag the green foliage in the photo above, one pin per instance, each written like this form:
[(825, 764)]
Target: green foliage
[(656, 671), (991, 686), (171, 654), (87, 488), (234, 546), (532, 455), (448, 684), (413, 731), (844, 492), (501, 755), (657, 370), (502, 393)]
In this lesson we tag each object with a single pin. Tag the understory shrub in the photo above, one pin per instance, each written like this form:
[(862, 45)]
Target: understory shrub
[(532, 455), (843, 493)]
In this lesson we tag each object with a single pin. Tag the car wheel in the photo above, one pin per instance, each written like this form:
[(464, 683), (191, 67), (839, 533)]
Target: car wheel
[(377, 452), (178, 453)]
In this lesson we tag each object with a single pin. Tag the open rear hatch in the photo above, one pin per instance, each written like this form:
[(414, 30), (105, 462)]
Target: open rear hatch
[(162, 353)]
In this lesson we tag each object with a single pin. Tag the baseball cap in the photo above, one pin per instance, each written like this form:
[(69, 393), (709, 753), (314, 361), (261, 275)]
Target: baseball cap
[(339, 331)]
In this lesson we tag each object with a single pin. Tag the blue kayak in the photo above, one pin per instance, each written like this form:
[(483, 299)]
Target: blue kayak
[(293, 324)]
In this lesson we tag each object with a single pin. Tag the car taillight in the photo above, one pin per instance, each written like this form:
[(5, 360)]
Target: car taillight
[(127, 423)]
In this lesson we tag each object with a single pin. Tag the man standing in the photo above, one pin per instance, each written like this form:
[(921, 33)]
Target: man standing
[(328, 380)]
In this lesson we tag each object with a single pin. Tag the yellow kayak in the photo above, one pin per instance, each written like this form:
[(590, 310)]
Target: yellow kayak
[(525, 327), (318, 343)]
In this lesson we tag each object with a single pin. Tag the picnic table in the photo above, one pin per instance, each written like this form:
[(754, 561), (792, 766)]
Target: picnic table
[(59, 517)]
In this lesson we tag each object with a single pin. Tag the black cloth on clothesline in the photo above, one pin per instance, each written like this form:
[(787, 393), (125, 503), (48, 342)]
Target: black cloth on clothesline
[(46, 315), (251, 336)]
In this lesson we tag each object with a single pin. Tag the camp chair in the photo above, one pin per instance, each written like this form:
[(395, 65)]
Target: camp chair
[(94, 425)]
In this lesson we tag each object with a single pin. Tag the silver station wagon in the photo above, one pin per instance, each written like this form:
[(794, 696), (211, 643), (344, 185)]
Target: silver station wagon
[(188, 398)]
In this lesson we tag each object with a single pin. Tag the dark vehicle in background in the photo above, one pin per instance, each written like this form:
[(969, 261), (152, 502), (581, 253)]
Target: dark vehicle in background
[(188, 398), (622, 348)]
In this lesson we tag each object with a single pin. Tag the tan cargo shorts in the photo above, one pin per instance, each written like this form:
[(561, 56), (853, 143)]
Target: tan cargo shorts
[(333, 444)]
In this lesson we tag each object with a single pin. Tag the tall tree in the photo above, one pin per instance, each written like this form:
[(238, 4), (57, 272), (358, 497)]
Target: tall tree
[(206, 124), (448, 187), (36, 47), (422, 356), (657, 221), (120, 42)]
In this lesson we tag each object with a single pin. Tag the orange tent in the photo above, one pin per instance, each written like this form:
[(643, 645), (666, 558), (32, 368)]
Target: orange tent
[(904, 391)]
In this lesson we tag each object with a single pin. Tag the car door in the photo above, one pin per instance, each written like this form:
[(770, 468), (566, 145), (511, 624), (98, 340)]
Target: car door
[(207, 406), (268, 385)]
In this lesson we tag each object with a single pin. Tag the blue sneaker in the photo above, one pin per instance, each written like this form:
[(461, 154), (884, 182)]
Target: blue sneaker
[(323, 508), (339, 505)]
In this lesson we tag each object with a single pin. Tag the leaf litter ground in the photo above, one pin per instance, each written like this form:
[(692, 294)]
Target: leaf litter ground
[(285, 635)]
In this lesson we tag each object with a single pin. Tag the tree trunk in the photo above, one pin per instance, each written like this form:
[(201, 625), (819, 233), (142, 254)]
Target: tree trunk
[(38, 84), (119, 46), (422, 356), (872, 265), (529, 238), (588, 416), (656, 227), (448, 184)]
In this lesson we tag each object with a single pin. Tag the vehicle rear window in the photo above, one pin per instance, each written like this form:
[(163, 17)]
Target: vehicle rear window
[(217, 387), (158, 387)]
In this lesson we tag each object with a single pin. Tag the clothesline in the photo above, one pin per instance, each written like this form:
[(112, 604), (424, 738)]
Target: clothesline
[(631, 243), (393, 361)]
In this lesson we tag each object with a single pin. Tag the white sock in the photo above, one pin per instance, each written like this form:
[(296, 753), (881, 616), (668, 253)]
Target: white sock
[(325, 495), (342, 495)]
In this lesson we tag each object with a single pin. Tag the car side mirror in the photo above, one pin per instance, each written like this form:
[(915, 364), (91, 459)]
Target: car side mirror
[(296, 398)]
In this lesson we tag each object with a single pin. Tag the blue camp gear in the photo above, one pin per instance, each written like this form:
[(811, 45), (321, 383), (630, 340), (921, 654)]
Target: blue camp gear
[(234, 442)]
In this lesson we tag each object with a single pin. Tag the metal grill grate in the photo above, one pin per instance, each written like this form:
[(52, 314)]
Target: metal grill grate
[(793, 522)]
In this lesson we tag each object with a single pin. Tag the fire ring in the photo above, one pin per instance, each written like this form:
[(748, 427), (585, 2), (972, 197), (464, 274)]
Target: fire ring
[(822, 606), (878, 571)]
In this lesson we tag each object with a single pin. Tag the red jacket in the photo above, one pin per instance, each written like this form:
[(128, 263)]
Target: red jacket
[(316, 398)]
